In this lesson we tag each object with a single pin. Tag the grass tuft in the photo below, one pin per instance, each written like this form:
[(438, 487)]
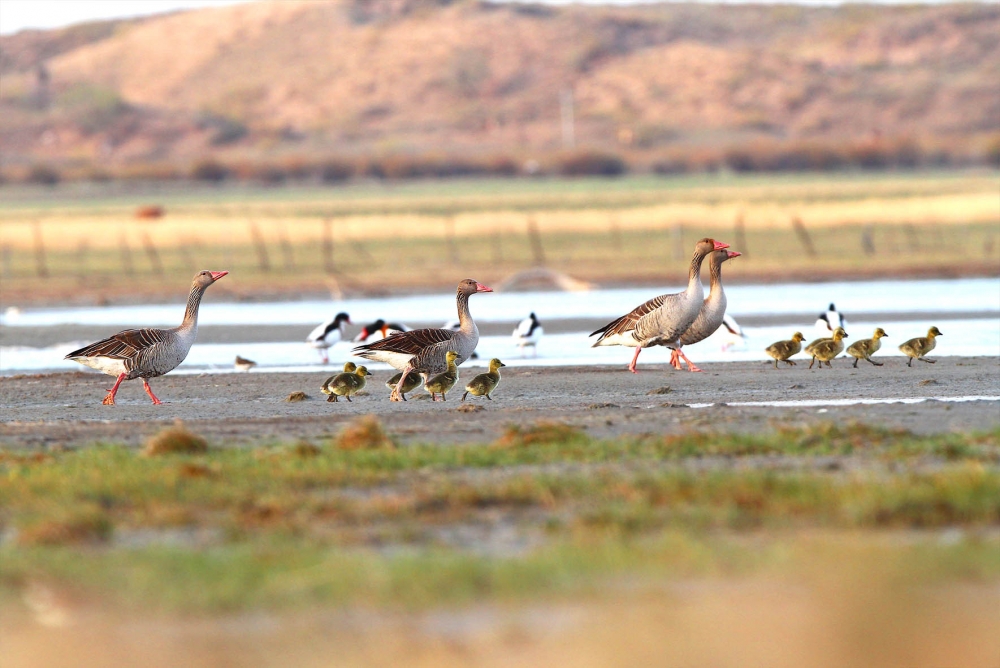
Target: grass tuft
[(76, 527), (364, 433), (297, 396), (305, 449), (175, 440), (540, 433)]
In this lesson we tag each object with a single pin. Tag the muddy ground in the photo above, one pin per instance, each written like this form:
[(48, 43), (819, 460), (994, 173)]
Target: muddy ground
[(65, 408)]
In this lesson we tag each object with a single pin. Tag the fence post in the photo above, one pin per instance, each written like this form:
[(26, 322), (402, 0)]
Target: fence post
[(328, 265), (616, 233), (287, 253), (868, 239), (677, 240), (741, 236), (449, 236), (41, 266), (260, 247), (803, 235), (536, 242), (127, 266), (151, 252)]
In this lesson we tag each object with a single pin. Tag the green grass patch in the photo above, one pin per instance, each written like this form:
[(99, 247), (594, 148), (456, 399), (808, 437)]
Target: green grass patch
[(545, 508)]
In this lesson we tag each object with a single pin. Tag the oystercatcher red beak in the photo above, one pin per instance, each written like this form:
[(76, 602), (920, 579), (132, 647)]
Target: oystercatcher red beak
[(482, 288), (216, 275)]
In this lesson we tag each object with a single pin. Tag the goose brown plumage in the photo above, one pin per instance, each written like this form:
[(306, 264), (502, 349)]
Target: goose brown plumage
[(920, 346), (424, 350), (825, 350), (782, 350), (147, 353), (661, 320), (865, 348), (713, 310)]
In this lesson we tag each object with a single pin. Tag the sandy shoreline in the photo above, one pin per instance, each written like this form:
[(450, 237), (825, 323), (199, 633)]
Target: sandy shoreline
[(64, 409)]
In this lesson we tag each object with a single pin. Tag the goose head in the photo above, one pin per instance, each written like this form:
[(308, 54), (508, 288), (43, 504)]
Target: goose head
[(839, 334), (707, 245), (349, 367), (797, 336), (203, 279), (495, 364), (362, 371), (932, 332), (879, 333), (471, 286)]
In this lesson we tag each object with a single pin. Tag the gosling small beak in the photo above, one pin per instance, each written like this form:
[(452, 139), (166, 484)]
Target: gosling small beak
[(482, 288), (719, 245), (216, 275)]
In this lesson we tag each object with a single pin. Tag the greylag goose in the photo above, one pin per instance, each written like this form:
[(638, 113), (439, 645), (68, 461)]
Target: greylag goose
[(527, 333), (147, 353), (920, 346), (661, 320), (484, 383), (712, 310), (328, 333), (243, 364), (825, 350), (830, 320), (443, 382), (454, 325), (413, 381), (865, 348), (782, 350), (345, 384), (423, 350), (379, 330)]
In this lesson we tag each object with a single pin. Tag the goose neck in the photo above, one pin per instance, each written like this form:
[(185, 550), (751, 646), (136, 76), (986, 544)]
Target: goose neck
[(191, 311), (464, 316)]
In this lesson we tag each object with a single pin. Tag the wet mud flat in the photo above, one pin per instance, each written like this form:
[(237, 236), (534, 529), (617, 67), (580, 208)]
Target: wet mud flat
[(64, 409)]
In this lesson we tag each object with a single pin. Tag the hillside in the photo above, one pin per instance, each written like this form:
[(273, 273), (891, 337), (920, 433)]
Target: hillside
[(355, 78)]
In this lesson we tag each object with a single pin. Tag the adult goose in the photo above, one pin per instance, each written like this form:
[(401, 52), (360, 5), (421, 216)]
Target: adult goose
[(147, 353), (712, 310), (328, 333), (527, 333), (424, 350), (661, 320)]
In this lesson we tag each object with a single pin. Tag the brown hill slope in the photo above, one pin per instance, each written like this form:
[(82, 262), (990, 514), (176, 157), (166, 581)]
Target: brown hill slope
[(414, 75)]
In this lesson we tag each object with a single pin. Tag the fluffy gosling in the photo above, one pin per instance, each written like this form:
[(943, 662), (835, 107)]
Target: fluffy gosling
[(484, 383), (782, 350), (865, 348), (825, 350), (413, 381), (345, 384), (443, 382), (920, 346)]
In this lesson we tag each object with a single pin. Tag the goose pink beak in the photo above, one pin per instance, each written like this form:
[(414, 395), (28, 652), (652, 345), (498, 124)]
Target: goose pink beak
[(216, 275), (733, 254), (719, 245), (482, 288)]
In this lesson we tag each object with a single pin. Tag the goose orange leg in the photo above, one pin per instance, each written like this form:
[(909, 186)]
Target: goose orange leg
[(398, 390), (149, 391), (675, 359), (691, 365), (110, 399), (631, 367)]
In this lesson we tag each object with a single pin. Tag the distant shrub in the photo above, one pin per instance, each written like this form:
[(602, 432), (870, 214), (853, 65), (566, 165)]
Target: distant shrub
[(45, 175), (992, 153), (82, 525), (541, 433), (335, 171), (211, 171), (148, 171), (364, 433), (590, 163)]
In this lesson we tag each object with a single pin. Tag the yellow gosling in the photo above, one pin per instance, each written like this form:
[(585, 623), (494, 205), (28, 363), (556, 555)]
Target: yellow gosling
[(920, 346), (443, 382), (345, 384), (825, 350), (413, 381), (484, 383), (782, 350), (865, 348)]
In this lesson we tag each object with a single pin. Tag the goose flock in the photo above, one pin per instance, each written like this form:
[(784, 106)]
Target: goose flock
[(431, 356)]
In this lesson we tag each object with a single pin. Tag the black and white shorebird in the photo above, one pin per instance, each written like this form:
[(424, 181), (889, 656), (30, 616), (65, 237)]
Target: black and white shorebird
[(829, 321), (732, 333), (528, 333), (379, 329), (328, 333)]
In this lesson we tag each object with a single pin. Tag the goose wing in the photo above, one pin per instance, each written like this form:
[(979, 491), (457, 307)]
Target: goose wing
[(408, 343), (628, 322), (123, 345)]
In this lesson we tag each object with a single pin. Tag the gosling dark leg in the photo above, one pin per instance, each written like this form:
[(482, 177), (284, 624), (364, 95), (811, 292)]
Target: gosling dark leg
[(464, 396), (909, 362), (873, 361), (855, 365), (349, 399), (924, 359)]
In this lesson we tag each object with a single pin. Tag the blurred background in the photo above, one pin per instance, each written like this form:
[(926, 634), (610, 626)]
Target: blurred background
[(357, 149)]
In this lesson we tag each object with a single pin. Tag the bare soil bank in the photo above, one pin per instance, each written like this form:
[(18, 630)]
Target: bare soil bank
[(65, 409)]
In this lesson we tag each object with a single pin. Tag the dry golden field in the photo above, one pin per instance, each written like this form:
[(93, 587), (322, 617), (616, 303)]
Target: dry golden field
[(71, 243)]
